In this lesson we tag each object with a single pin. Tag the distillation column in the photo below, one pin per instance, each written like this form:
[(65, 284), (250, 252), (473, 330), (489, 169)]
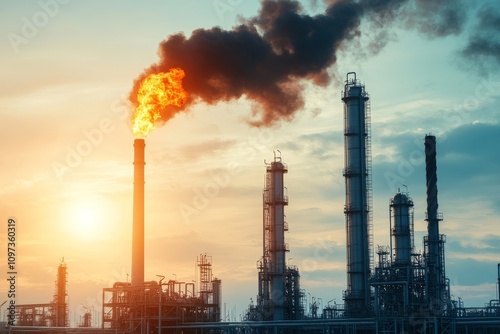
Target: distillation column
[(433, 242), (275, 200), (357, 175), (61, 297), (402, 232)]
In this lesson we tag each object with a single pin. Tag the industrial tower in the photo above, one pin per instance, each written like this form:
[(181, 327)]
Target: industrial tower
[(358, 204), (401, 207), (60, 303), (434, 242), (138, 215), (408, 283), (399, 277), (272, 266)]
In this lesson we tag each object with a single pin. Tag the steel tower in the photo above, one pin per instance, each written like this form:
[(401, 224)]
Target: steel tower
[(272, 266), (358, 204), (401, 206), (433, 242)]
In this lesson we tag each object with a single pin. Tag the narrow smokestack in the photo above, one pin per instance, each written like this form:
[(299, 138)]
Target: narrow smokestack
[(434, 243), (138, 223), (431, 177)]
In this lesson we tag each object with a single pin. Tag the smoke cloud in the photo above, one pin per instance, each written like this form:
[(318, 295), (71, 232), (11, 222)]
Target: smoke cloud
[(484, 43), (266, 59)]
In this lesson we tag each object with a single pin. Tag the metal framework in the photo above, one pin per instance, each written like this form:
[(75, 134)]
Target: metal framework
[(35, 315), (61, 297), (407, 283), (271, 296), (399, 280), (279, 295), (53, 314), (143, 309), (294, 296)]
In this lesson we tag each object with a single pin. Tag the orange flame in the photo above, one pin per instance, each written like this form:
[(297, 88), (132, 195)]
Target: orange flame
[(157, 91)]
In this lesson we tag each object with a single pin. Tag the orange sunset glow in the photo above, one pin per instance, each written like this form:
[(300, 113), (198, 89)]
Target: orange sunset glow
[(256, 166), (157, 91)]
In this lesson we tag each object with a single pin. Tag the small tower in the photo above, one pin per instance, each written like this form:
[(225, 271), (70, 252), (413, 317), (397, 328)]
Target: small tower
[(402, 232), (60, 302)]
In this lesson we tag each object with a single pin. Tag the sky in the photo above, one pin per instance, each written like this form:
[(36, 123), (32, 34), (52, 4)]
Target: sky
[(67, 68)]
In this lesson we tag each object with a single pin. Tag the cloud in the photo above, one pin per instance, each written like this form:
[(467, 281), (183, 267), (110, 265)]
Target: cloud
[(473, 149), (194, 152), (478, 249), (464, 271), (483, 46), (436, 18), (322, 145), (466, 156)]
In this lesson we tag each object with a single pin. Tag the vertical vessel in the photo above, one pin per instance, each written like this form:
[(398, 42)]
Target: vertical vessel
[(402, 232), (272, 267), (357, 173), (61, 297)]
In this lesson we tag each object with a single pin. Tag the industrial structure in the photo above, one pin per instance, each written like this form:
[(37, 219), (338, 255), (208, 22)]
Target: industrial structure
[(358, 201), (404, 292), (53, 314), (144, 306), (437, 288), (138, 214), (399, 278), (142, 309), (279, 295), (406, 282)]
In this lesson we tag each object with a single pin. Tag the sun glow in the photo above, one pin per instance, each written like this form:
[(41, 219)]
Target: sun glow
[(86, 219)]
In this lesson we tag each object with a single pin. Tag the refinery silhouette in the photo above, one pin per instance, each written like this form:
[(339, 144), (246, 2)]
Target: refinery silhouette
[(390, 289)]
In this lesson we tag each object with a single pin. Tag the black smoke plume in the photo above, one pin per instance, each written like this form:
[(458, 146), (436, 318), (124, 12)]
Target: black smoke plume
[(483, 47), (266, 58)]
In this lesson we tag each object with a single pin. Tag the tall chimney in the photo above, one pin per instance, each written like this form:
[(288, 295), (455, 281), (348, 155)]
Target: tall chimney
[(138, 223), (434, 243)]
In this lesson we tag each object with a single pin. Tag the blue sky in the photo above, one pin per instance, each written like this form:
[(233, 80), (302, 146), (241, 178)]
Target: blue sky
[(69, 79)]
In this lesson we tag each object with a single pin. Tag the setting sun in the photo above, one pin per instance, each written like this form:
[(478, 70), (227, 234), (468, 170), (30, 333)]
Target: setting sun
[(282, 166), (86, 218)]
